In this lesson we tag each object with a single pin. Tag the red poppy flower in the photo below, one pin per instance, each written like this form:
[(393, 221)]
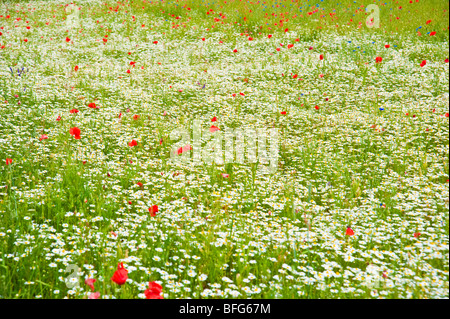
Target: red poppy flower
[(153, 210), (349, 232), (76, 68), (432, 33), (225, 175), (75, 131), (8, 161), (154, 291), (290, 46), (446, 115), (120, 275), (105, 40), (214, 119), (73, 111), (67, 40), (203, 39), (136, 117), (139, 184), (155, 42), (90, 282), (283, 112), (58, 118), (92, 106), (387, 46), (294, 76), (43, 137), (132, 143), (184, 149), (94, 295), (321, 57), (128, 71), (213, 128), (428, 22), (378, 59), (316, 107), (446, 60), (269, 36), (235, 50), (417, 235), (424, 62)]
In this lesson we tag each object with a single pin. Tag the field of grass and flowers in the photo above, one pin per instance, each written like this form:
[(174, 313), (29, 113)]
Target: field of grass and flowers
[(93, 204)]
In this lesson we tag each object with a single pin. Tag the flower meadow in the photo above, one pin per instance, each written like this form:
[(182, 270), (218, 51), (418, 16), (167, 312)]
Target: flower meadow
[(95, 203)]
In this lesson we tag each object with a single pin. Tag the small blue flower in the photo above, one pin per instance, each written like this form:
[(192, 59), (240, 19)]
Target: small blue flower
[(381, 109)]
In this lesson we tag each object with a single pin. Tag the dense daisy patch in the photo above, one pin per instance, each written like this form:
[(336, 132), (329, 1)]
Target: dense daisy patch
[(96, 203)]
